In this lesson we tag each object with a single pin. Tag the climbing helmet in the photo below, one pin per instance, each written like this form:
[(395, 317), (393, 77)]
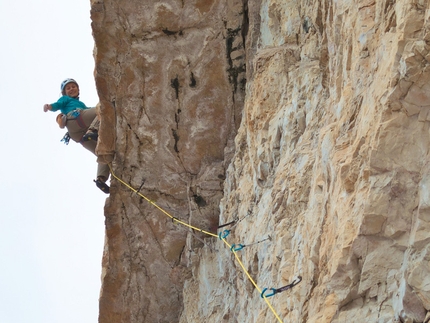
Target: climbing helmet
[(65, 82)]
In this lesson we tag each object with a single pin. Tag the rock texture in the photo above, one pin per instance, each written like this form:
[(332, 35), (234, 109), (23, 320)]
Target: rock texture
[(332, 161), (170, 76), (331, 158)]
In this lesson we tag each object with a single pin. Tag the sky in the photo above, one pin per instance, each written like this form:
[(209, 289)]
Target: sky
[(51, 212)]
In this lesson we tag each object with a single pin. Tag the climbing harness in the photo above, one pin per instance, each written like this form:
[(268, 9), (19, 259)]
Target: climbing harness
[(281, 289), (74, 114), (241, 246), (222, 235), (66, 138)]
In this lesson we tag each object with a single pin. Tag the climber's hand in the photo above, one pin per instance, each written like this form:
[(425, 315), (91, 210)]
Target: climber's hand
[(47, 107)]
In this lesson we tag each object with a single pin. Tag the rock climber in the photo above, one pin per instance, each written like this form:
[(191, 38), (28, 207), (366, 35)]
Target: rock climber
[(82, 124)]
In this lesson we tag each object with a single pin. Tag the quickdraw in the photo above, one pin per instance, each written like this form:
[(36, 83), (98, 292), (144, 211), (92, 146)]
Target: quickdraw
[(66, 138), (223, 234), (226, 224), (281, 289), (241, 246), (237, 248)]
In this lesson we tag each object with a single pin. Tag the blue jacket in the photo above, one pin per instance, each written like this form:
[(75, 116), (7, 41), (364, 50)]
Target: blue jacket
[(67, 104)]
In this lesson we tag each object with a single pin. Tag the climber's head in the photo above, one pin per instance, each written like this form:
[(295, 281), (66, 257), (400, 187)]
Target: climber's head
[(70, 88)]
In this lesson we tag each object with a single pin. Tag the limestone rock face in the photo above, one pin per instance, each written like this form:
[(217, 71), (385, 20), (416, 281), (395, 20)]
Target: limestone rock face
[(331, 161), (170, 76), (327, 149)]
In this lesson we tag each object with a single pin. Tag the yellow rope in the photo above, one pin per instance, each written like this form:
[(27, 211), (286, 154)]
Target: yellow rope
[(252, 280), (154, 204), (200, 230)]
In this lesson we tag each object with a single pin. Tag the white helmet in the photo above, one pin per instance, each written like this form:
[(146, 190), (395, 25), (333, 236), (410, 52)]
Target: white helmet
[(65, 82)]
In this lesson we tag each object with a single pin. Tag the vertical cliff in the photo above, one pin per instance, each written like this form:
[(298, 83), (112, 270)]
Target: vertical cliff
[(170, 76), (330, 160)]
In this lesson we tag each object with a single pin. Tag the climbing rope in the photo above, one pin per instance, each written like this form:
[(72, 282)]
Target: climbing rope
[(222, 235), (174, 219)]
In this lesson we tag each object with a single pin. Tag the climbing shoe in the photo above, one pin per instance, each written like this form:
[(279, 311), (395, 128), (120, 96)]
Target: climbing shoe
[(90, 136), (102, 185)]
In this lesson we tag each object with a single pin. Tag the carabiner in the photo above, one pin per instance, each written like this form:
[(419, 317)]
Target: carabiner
[(268, 295), (223, 234), (239, 247)]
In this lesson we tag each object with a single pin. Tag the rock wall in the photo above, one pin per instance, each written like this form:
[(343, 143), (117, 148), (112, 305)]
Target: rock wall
[(170, 77), (331, 159)]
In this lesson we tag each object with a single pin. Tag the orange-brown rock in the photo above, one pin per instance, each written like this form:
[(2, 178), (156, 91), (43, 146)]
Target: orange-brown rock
[(330, 159), (170, 76)]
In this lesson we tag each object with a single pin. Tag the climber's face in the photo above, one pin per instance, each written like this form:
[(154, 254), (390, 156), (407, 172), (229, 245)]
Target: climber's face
[(72, 90)]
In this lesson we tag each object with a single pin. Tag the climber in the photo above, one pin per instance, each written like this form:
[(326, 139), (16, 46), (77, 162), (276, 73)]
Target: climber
[(82, 124)]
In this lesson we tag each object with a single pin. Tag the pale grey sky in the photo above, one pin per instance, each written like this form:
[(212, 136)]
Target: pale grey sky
[(51, 213)]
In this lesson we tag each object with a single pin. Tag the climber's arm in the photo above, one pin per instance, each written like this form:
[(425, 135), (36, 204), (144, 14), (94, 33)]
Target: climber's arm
[(47, 107), (59, 105)]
